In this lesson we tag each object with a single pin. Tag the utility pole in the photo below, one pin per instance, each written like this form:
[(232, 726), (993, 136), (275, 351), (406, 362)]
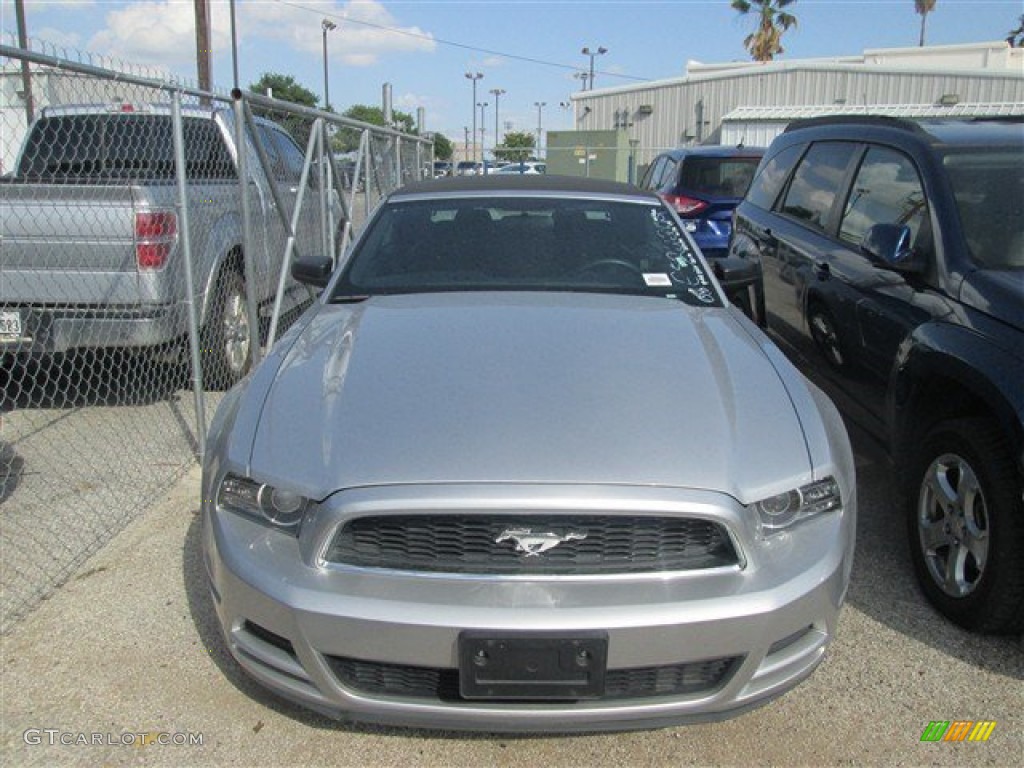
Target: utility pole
[(326, 25), (26, 72), (474, 77), (204, 56), (497, 95), (539, 105)]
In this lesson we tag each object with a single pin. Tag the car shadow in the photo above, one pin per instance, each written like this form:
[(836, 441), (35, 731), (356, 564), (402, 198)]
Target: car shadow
[(883, 584)]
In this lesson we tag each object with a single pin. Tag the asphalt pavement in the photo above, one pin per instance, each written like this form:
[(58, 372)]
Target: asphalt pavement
[(124, 666)]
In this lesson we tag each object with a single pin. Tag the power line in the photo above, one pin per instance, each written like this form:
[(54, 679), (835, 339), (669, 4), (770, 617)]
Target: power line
[(453, 44)]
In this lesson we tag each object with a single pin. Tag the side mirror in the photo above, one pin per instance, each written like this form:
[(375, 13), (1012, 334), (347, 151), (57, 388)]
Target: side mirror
[(734, 271), (888, 245), (315, 271)]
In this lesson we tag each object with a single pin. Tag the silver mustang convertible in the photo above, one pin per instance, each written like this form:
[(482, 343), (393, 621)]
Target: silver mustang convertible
[(523, 468)]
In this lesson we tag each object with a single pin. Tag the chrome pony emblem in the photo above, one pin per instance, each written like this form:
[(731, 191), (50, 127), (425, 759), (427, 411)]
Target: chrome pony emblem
[(532, 544)]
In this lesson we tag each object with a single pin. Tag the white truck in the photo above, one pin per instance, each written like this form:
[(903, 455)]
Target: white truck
[(91, 239)]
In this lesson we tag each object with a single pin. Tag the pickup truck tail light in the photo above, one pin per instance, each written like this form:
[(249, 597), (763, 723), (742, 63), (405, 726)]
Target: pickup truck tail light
[(685, 206), (155, 233)]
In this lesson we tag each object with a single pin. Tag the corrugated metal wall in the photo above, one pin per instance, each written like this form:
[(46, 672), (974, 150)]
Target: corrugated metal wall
[(690, 110)]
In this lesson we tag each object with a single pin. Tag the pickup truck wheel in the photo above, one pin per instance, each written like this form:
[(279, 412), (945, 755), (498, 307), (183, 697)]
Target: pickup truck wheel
[(826, 336), (227, 337), (966, 526)]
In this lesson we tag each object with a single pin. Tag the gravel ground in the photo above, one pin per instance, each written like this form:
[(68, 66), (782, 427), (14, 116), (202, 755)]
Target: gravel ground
[(130, 646)]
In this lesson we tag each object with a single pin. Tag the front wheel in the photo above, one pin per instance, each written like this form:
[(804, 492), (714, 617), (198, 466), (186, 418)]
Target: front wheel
[(966, 526), (227, 337)]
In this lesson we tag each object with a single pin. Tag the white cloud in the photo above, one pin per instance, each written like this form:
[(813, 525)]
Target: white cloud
[(162, 32), (57, 39)]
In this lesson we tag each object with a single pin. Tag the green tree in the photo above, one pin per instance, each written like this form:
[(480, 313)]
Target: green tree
[(285, 88), (923, 7), (766, 42), (518, 146), (1016, 36), (347, 139), (443, 147)]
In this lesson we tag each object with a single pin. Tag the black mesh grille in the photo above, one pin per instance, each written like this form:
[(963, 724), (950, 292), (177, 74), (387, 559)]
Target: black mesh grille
[(468, 544), (424, 682)]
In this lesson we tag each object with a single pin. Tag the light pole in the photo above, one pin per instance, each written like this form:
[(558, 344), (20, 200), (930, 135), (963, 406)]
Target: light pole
[(601, 50), (581, 76), (474, 77), (483, 145), (539, 105), (497, 95), (326, 25)]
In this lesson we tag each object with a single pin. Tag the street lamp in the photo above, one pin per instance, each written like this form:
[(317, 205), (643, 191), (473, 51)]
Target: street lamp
[(599, 52), (581, 76), (326, 25), (472, 108), (539, 105), (497, 95), (483, 146)]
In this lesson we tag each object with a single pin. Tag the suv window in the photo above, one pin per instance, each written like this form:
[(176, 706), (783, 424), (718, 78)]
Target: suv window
[(720, 176), (653, 173), (817, 181), (887, 190), (666, 173), (766, 187)]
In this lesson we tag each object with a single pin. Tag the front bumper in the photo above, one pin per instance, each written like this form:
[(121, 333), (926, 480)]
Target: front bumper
[(294, 623)]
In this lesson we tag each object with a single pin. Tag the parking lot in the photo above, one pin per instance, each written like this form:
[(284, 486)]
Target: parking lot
[(129, 649)]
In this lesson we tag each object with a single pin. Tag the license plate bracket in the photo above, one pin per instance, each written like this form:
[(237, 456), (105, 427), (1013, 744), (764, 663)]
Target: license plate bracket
[(532, 665), (10, 324)]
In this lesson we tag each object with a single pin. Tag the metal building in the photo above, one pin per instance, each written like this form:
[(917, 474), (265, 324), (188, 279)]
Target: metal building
[(690, 109)]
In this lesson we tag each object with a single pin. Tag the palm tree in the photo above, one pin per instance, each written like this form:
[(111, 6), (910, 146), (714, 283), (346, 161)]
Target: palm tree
[(923, 7), (766, 41)]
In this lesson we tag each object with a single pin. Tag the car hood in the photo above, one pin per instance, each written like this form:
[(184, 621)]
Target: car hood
[(527, 388)]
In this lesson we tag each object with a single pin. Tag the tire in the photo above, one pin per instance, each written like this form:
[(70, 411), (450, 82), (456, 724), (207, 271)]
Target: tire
[(227, 337), (965, 525), (826, 337)]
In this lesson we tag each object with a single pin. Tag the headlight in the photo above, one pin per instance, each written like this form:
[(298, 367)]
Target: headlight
[(785, 510), (276, 506)]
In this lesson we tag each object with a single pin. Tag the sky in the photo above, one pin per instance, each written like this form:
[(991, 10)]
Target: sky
[(530, 49)]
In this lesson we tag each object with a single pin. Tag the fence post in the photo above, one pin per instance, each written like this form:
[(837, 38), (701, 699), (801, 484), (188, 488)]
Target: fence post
[(186, 245), (275, 317), (248, 243)]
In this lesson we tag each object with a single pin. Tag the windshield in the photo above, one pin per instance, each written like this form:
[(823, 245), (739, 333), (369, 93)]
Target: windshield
[(527, 244), (989, 190)]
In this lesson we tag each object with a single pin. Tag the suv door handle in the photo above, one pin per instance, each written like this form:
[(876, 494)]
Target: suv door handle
[(822, 270), (768, 238)]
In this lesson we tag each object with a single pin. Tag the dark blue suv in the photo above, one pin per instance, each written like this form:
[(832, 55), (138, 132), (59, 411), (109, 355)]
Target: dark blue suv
[(704, 185), (892, 252)]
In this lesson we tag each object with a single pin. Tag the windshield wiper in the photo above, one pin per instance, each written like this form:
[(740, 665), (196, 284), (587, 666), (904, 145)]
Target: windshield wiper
[(349, 298)]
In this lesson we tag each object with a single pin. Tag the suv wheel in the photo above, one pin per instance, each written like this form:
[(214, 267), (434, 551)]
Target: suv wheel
[(826, 336), (227, 337), (966, 526)]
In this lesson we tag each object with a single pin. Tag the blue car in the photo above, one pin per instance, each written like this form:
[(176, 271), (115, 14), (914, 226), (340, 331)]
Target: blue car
[(704, 185)]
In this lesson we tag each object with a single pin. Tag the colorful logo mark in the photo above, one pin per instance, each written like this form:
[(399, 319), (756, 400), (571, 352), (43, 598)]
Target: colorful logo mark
[(958, 730)]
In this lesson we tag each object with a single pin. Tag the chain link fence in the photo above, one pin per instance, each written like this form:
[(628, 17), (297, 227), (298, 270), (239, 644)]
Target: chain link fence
[(146, 229)]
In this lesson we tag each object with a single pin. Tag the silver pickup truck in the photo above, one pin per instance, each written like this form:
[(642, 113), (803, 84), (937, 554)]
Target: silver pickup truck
[(90, 237)]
